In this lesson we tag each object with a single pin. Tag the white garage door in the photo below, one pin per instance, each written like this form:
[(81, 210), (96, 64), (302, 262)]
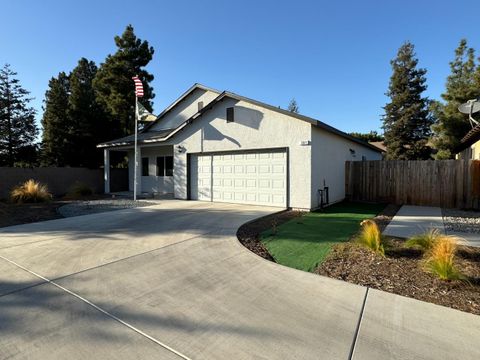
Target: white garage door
[(258, 178)]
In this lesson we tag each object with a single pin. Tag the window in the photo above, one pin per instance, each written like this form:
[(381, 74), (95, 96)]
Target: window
[(145, 166), (230, 113), (165, 166), (160, 166), (169, 166), (200, 105)]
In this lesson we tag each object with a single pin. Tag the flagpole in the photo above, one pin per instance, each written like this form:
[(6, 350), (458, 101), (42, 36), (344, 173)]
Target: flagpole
[(135, 153)]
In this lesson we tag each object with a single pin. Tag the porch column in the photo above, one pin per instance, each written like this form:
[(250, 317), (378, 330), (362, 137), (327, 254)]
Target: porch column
[(106, 170)]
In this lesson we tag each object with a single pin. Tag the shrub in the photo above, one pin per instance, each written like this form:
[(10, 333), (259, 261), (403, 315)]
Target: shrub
[(371, 237), (440, 260), (79, 189), (30, 191), (424, 241)]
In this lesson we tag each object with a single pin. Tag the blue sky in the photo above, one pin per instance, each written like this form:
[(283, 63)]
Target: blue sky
[(333, 57)]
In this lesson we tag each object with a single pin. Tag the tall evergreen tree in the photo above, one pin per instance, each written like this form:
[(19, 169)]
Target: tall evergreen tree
[(293, 106), (56, 142), (18, 130), (113, 82), (462, 85), (87, 120), (407, 119)]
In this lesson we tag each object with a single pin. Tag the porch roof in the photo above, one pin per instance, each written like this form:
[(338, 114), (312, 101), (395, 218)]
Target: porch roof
[(142, 138)]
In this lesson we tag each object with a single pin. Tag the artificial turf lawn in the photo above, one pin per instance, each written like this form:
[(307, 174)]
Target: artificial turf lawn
[(304, 242)]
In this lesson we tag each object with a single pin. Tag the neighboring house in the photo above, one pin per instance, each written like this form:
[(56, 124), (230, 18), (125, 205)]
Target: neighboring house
[(219, 146), (380, 145), (469, 148)]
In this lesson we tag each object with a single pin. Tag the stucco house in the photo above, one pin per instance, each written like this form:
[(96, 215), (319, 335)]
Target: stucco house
[(469, 148), (219, 146)]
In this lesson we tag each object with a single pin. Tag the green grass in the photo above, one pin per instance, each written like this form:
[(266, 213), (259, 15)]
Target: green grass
[(303, 243)]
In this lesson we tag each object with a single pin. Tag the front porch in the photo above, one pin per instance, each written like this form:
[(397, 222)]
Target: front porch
[(154, 170)]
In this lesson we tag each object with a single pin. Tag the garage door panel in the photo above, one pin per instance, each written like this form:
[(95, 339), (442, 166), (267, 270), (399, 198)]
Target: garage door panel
[(249, 178)]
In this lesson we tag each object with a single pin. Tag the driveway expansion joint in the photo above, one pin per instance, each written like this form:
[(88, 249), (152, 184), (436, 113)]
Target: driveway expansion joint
[(359, 323), (96, 307)]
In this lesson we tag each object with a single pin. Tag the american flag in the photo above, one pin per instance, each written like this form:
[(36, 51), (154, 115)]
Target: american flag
[(138, 86)]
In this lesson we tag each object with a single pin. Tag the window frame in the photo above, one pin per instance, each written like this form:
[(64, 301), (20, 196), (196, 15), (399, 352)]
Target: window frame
[(166, 171), (230, 115)]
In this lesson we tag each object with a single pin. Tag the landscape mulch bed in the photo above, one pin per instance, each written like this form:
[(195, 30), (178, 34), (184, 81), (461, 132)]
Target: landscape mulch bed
[(16, 214), (399, 272)]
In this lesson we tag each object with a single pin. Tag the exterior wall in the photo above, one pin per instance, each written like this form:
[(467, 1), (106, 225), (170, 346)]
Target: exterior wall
[(470, 153), (254, 128), (185, 109), (151, 183), (329, 153)]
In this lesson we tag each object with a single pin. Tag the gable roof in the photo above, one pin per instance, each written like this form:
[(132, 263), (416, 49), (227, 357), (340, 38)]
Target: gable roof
[(231, 95), (179, 100)]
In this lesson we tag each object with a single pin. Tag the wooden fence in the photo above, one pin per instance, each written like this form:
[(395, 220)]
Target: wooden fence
[(445, 183)]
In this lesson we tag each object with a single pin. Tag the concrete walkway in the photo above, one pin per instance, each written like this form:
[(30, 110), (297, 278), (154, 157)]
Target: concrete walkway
[(472, 239), (414, 220), (171, 281)]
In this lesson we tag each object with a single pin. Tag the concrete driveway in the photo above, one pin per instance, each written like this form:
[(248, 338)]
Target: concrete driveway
[(171, 281)]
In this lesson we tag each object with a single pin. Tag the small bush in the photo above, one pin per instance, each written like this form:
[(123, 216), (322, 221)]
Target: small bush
[(424, 241), (80, 189), (30, 191), (371, 237), (440, 260)]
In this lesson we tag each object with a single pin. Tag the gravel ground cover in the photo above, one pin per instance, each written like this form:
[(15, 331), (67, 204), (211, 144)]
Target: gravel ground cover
[(461, 220), (78, 208)]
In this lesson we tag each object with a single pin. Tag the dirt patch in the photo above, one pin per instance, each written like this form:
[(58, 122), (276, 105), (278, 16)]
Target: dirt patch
[(400, 272), (249, 234)]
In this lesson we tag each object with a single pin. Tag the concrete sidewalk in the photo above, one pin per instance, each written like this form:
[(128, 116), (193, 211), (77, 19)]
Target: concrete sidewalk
[(414, 220)]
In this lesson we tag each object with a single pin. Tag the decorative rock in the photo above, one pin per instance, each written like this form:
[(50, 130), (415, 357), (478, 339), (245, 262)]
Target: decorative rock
[(97, 206)]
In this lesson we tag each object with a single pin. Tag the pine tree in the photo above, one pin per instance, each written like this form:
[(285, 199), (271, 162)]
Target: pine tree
[(407, 119), (462, 85), (293, 106), (113, 82), (56, 142), (18, 130), (87, 119)]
